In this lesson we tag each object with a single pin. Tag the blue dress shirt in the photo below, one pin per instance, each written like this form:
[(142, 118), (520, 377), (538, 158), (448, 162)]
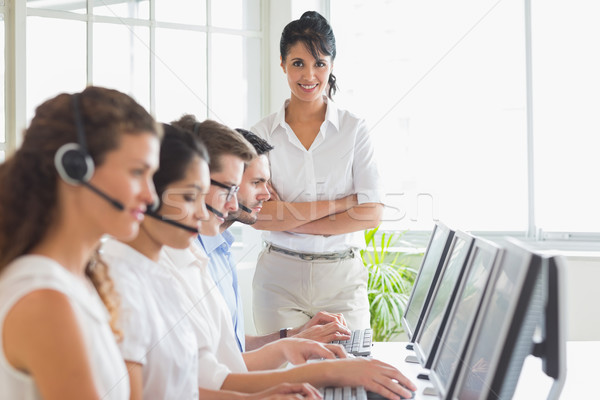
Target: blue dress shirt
[(222, 269)]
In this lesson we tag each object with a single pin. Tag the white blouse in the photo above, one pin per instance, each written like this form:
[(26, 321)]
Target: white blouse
[(340, 162), (30, 273), (218, 352), (157, 332)]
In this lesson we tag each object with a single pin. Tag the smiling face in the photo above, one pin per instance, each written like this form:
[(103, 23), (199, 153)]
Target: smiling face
[(232, 168), (183, 201), (253, 190), (307, 77), (126, 175)]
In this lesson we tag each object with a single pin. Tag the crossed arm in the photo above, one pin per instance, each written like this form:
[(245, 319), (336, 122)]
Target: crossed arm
[(323, 217)]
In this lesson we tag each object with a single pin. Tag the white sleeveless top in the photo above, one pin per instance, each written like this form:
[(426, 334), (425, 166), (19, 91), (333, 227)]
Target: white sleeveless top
[(30, 273), (157, 332)]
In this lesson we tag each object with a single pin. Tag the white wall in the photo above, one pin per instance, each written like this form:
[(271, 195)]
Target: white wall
[(583, 298)]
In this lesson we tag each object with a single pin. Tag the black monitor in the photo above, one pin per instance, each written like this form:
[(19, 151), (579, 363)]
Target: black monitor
[(426, 279), (523, 296), (436, 316), (448, 359)]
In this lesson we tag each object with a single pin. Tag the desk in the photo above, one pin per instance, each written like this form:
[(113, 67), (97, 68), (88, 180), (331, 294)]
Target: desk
[(582, 371)]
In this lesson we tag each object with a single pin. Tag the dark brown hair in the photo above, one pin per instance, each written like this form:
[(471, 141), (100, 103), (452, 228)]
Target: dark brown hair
[(28, 179), (218, 139), (313, 30)]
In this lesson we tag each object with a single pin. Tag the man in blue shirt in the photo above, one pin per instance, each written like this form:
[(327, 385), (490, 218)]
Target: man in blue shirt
[(254, 190)]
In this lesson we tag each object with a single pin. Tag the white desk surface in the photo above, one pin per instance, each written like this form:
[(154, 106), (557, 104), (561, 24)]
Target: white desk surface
[(582, 371)]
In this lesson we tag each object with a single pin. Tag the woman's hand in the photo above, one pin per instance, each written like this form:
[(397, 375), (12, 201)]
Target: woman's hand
[(298, 351), (374, 375), (287, 391)]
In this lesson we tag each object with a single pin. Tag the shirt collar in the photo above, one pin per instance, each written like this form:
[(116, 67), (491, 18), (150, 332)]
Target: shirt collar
[(331, 115), (194, 255), (211, 243), (134, 257)]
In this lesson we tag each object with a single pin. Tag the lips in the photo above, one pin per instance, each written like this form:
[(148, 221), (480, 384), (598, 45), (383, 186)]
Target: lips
[(308, 88), (138, 214)]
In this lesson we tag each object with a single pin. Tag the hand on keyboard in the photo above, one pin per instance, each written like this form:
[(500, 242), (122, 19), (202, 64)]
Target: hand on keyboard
[(286, 391), (325, 333), (376, 376), (323, 327), (359, 343), (298, 351)]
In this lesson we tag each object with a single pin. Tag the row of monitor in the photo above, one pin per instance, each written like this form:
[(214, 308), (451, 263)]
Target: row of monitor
[(478, 309)]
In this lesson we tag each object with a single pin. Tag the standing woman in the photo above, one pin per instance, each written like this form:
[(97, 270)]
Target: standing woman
[(324, 172), (84, 170)]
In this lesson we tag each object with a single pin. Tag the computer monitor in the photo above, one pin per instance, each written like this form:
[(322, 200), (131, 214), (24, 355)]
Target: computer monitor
[(426, 279), (523, 296), (436, 316), (448, 359)]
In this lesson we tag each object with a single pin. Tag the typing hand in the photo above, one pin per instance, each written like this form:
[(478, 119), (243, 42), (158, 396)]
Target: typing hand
[(325, 333), (376, 376), (287, 391), (322, 318), (298, 351)]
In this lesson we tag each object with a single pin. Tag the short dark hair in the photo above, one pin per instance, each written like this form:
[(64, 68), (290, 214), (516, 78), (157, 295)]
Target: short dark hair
[(260, 145), (218, 139)]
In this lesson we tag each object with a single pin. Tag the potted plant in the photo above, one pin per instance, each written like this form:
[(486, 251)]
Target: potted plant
[(390, 282)]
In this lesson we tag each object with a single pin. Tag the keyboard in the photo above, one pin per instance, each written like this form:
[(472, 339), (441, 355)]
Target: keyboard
[(350, 393), (344, 393), (360, 342)]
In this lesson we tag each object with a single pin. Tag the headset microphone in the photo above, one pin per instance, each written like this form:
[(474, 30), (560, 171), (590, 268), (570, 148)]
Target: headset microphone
[(115, 203), (212, 210), (244, 208), (171, 222)]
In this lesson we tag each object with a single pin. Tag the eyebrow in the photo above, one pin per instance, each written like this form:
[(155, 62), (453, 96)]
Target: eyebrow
[(194, 186)]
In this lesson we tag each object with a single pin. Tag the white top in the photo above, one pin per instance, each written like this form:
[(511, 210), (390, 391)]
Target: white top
[(30, 273), (156, 331), (340, 162), (218, 353)]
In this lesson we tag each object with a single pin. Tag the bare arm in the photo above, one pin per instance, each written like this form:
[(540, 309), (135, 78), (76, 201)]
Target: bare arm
[(282, 391), (136, 380), (41, 336), (294, 350), (277, 215), (358, 218), (374, 375)]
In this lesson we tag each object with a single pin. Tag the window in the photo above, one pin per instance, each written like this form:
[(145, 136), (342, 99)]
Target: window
[(2, 79), (162, 53), (446, 100)]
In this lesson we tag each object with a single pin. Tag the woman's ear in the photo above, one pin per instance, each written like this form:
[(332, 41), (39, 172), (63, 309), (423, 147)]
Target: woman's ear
[(282, 64)]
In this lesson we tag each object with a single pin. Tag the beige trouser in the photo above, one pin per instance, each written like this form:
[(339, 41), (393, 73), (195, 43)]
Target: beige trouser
[(288, 291)]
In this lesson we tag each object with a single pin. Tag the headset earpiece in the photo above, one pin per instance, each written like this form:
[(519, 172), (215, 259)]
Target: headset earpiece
[(73, 164), (72, 161)]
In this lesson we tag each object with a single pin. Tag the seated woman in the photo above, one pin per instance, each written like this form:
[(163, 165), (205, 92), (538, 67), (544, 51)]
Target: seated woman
[(159, 345), (84, 170)]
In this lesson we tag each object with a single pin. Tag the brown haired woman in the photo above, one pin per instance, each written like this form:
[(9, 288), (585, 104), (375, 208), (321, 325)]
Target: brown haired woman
[(84, 170)]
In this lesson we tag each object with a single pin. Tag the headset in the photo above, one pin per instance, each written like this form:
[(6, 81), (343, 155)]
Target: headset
[(73, 162), (244, 208)]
